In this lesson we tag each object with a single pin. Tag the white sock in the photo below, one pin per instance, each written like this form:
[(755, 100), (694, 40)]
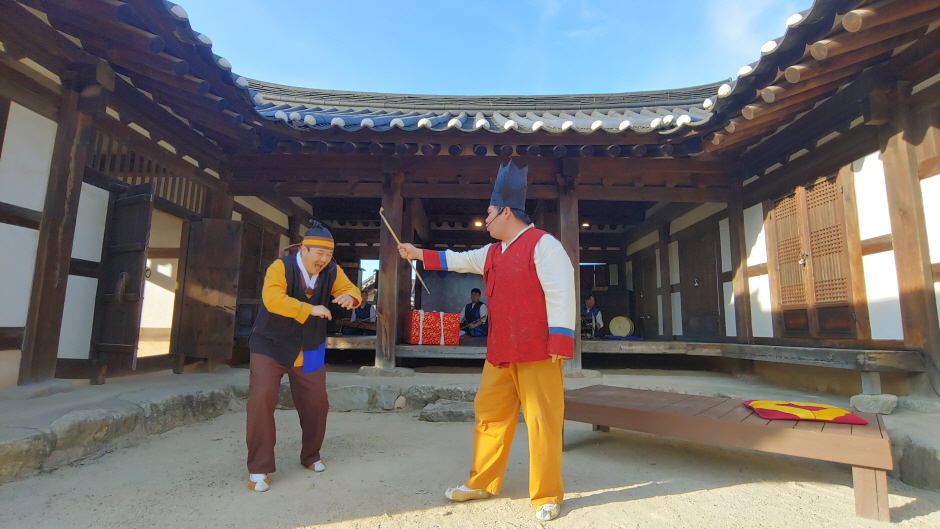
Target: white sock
[(465, 489), (257, 478)]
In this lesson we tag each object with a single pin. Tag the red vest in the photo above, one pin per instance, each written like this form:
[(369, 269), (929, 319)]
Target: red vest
[(517, 316)]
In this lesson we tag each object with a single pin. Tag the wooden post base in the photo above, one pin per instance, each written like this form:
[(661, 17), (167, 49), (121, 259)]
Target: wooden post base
[(599, 428), (871, 493)]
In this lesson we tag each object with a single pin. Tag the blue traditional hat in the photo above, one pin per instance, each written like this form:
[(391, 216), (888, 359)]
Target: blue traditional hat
[(510, 188)]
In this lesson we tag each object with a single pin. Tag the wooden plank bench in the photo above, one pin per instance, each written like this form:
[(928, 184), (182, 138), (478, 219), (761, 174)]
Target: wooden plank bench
[(728, 423)]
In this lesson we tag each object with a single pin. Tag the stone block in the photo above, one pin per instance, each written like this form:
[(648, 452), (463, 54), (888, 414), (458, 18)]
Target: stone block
[(167, 408), (81, 428), (400, 402), (883, 404), (421, 396), (920, 466), (372, 371), (386, 396), (349, 398), (919, 405), (22, 451), (37, 390), (448, 411)]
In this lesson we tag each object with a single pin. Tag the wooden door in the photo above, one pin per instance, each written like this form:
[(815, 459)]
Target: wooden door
[(812, 268), (206, 300), (701, 289), (119, 300), (647, 309)]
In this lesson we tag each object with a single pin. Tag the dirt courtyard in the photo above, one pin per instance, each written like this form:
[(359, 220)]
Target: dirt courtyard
[(389, 470)]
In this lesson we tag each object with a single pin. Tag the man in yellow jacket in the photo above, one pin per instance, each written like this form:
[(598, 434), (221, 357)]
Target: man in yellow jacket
[(287, 340)]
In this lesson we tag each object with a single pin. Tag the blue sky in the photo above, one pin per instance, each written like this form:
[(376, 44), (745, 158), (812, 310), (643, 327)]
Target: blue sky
[(507, 47)]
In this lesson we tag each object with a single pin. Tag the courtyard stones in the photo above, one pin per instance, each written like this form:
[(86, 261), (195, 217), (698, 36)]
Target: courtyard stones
[(444, 410), (386, 396), (883, 404), (349, 398)]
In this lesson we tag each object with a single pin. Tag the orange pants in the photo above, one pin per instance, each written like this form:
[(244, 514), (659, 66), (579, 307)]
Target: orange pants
[(539, 388)]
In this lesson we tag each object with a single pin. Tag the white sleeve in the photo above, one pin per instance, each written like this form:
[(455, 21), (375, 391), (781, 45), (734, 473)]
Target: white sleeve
[(469, 262), (352, 316), (557, 277), (483, 311), (372, 312), (600, 319), (463, 315)]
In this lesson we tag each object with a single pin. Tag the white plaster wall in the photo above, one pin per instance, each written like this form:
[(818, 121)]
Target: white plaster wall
[(731, 328), (75, 335), (674, 263), (659, 312), (884, 306), (26, 158), (754, 235), (264, 209), (236, 215), (285, 242), (724, 241), (628, 274), (166, 230), (874, 219), (10, 367), (645, 242), (17, 261), (676, 314), (90, 223), (614, 272), (156, 319), (762, 323), (930, 189), (696, 215)]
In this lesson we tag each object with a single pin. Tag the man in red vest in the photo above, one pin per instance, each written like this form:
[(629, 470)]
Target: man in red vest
[(532, 313)]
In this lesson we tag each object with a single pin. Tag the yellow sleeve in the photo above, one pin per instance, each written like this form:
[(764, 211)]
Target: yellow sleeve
[(342, 285), (275, 298)]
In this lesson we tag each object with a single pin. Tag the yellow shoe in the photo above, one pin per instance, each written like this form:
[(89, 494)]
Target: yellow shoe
[(317, 467), (548, 511), (458, 494), (259, 486)]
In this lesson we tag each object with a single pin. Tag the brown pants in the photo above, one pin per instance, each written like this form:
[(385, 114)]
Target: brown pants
[(309, 393)]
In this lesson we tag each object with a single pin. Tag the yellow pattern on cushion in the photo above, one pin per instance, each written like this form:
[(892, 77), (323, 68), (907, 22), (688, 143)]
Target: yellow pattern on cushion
[(807, 411)]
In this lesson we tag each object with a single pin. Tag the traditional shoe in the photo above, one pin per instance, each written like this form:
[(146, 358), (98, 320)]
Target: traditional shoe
[(459, 494), (259, 486), (318, 466), (548, 511)]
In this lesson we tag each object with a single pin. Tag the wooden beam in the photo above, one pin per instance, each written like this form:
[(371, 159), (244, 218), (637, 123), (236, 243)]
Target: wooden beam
[(389, 263), (419, 220), (665, 290), (403, 295), (667, 214), (570, 240), (742, 290), (881, 13), (846, 42), (74, 136), (909, 229), (20, 216), (826, 159), (29, 89)]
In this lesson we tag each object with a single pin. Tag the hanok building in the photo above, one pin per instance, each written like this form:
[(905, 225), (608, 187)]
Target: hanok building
[(778, 219)]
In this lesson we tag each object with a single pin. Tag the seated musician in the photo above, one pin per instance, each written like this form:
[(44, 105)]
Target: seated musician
[(592, 314), (473, 317), (366, 311)]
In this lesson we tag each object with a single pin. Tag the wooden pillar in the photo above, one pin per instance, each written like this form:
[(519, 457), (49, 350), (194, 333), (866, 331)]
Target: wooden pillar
[(742, 291), (407, 235), (221, 203), (570, 239), (389, 263), (74, 136), (665, 284), (909, 228)]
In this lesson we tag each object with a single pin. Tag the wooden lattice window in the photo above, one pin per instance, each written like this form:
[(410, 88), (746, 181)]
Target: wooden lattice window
[(810, 267)]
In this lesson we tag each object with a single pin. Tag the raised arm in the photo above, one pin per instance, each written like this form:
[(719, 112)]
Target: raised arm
[(470, 262)]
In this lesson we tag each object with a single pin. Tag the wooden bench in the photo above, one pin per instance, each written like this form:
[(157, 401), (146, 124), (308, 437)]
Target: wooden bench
[(728, 423)]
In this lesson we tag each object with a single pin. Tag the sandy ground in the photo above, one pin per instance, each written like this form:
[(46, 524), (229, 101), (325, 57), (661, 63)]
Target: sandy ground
[(389, 471)]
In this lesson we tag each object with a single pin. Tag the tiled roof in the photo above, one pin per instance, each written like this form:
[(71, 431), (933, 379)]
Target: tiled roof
[(304, 108)]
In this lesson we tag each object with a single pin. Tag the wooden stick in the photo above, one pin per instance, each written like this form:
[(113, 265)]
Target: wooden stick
[(411, 262)]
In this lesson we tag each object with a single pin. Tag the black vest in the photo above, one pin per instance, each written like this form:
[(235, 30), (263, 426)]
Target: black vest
[(283, 338), (471, 314)]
